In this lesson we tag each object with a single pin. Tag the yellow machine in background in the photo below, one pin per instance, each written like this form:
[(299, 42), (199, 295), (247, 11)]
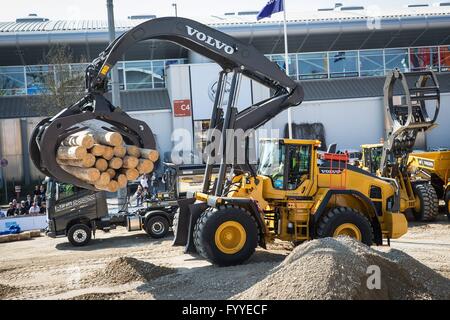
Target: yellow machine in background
[(416, 195), (434, 166), (293, 198), (407, 117)]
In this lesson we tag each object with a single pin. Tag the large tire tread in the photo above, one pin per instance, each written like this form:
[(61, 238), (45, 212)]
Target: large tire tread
[(329, 222)]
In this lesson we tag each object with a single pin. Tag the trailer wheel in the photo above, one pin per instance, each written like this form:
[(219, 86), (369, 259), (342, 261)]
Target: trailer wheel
[(226, 236), (427, 207), (343, 221), (79, 235), (157, 227)]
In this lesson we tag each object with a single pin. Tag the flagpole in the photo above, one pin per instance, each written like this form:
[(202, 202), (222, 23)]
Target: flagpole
[(286, 59)]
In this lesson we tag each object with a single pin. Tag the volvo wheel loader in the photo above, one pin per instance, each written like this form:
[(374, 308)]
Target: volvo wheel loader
[(409, 114), (289, 196)]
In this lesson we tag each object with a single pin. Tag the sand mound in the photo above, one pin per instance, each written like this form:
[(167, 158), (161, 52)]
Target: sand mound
[(126, 269), (7, 291), (337, 269)]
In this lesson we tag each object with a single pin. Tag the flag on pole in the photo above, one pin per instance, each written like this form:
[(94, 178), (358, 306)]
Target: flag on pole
[(273, 6)]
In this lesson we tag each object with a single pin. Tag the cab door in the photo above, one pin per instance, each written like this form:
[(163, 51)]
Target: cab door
[(299, 180)]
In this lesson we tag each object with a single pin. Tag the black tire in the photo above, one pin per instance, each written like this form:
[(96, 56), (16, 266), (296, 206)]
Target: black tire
[(205, 232), (429, 202), (336, 217), (157, 227), (79, 235)]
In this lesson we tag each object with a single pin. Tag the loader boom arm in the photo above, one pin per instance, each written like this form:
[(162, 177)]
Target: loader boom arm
[(230, 53)]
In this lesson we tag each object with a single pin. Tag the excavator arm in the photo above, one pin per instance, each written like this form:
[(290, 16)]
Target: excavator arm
[(231, 54)]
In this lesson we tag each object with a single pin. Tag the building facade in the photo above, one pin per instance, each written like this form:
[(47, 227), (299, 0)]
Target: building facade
[(340, 57)]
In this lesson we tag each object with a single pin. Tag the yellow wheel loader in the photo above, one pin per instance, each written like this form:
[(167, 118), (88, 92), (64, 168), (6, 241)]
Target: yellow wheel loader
[(289, 197), (407, 115), (435, 167)]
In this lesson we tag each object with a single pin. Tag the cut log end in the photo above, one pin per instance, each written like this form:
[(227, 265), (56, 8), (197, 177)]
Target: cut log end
[(115, 163), (131, 174), (130, 162), (101, 164)]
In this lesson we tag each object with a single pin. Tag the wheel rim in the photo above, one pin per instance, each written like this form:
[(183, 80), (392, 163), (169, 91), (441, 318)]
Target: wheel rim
[(80, 236), (230, 237), (348, 229), (158, 228)]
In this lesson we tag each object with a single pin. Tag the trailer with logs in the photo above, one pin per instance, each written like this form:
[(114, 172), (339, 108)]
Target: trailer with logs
[(77, 213)]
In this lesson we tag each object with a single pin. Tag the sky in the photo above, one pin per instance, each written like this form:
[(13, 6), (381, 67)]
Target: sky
[(96, 9)]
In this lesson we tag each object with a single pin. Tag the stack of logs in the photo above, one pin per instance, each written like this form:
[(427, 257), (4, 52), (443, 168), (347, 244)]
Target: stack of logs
[(101, 158)]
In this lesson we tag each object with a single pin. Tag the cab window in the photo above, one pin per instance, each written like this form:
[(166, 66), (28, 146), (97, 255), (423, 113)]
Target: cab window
[(299, 158), (65, 190)]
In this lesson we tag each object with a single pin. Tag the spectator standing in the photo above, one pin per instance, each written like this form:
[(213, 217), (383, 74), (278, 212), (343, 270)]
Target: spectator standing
[(12, 211), (37, 191), (37, 199), (42, 191), (153, 183), (29, 202), (145, 194), (144, 181), (15, 204), (139, 196), (34, 209)]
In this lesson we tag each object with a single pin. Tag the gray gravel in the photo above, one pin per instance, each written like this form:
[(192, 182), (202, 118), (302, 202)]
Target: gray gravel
[(337, 269)]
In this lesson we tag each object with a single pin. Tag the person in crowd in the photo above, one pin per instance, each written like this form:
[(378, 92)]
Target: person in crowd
[(143, 181), (145, 194), (37, 199), (29, 202), (42, 191), (37, 191), (23, 209), (15, 204), (153, 184), (139, 196), (12, 210), (43, 207), (34, 209)]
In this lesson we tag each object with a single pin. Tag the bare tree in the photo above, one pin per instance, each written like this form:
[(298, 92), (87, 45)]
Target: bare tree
[(59, 83)]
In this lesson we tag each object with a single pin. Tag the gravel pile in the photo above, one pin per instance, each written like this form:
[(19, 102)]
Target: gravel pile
[(7, 291), (337, 269), (126, 269)]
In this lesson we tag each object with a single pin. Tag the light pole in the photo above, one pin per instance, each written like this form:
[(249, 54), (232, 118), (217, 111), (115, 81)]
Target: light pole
[(176, 10), (115, 84)]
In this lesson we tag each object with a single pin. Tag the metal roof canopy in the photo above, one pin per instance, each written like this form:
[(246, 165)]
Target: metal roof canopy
[(308, 35), (158, 99)]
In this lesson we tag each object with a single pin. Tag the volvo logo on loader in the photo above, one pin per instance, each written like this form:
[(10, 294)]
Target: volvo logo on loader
[(210, 40)]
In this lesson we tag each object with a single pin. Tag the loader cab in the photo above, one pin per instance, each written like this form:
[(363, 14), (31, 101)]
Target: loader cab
[(288, 163), (371, 157)]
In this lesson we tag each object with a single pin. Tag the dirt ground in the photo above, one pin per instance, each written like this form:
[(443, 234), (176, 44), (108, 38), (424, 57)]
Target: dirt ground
[(45, 268)]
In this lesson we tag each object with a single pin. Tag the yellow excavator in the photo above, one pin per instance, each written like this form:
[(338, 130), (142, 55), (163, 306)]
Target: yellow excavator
[(435, 167), (408, 115), (289, 196)]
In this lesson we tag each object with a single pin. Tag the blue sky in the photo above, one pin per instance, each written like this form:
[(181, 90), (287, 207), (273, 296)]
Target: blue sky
[(96, 9)]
